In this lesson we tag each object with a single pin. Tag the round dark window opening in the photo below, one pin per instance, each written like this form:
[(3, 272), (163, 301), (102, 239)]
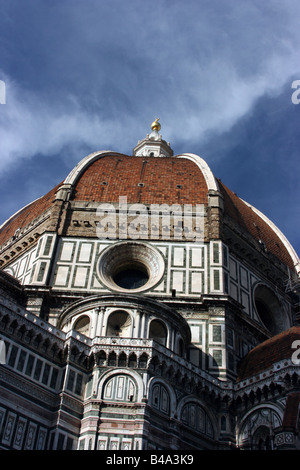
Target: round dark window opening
[(264, 313), (271, 312), (131, 277), (131, 266)]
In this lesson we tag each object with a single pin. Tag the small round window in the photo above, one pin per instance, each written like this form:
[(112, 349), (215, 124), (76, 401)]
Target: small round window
[(131, 266)]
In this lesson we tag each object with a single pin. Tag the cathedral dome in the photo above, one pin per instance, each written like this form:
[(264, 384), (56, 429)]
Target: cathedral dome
[(134, 290), (104, 177), (271, 351)]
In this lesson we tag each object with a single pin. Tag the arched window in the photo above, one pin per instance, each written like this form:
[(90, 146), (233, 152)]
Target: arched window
[(101, 357), (82, 325), (160, 398), (158, 332), (194, 416), (120, 388), (143, 361), (132, 361), (112, 359), (122, 361)]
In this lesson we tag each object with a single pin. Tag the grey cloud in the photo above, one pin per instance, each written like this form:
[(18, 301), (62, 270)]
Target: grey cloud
[(112, 67)]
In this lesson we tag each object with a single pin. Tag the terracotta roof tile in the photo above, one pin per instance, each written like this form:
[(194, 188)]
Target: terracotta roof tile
[(148, 180), (250, 221), (269, 352), (26, 215)]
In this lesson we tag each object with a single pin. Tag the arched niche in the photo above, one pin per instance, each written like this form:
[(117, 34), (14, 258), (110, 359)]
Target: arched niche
[(119, 324), (158, 332), (82, 325), (261, 439)]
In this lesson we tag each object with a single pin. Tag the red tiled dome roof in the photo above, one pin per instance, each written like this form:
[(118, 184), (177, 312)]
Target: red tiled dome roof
[(168, 180), (148, 180), (269, 352), (183, 179), (251, 222), (27, 215)]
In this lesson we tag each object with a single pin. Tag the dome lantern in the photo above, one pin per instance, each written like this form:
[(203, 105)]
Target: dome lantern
[(153, 145)]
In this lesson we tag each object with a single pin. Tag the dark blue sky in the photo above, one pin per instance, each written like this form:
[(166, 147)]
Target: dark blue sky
[(88, 75)]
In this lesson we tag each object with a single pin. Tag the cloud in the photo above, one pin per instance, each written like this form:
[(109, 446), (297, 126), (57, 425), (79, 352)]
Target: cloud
[(86, 76), (110, 68), (31, 125)]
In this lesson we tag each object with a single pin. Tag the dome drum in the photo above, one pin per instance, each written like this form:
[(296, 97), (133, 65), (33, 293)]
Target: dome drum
[(131, 317)]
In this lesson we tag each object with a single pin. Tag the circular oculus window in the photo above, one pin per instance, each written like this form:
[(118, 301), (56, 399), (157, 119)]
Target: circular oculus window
[(131, 266), (270, 311)]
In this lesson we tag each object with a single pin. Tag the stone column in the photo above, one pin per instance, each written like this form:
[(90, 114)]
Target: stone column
[(137, 324), (100, 314)]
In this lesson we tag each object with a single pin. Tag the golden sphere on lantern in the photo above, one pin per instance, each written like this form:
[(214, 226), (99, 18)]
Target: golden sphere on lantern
[(155, 126)]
